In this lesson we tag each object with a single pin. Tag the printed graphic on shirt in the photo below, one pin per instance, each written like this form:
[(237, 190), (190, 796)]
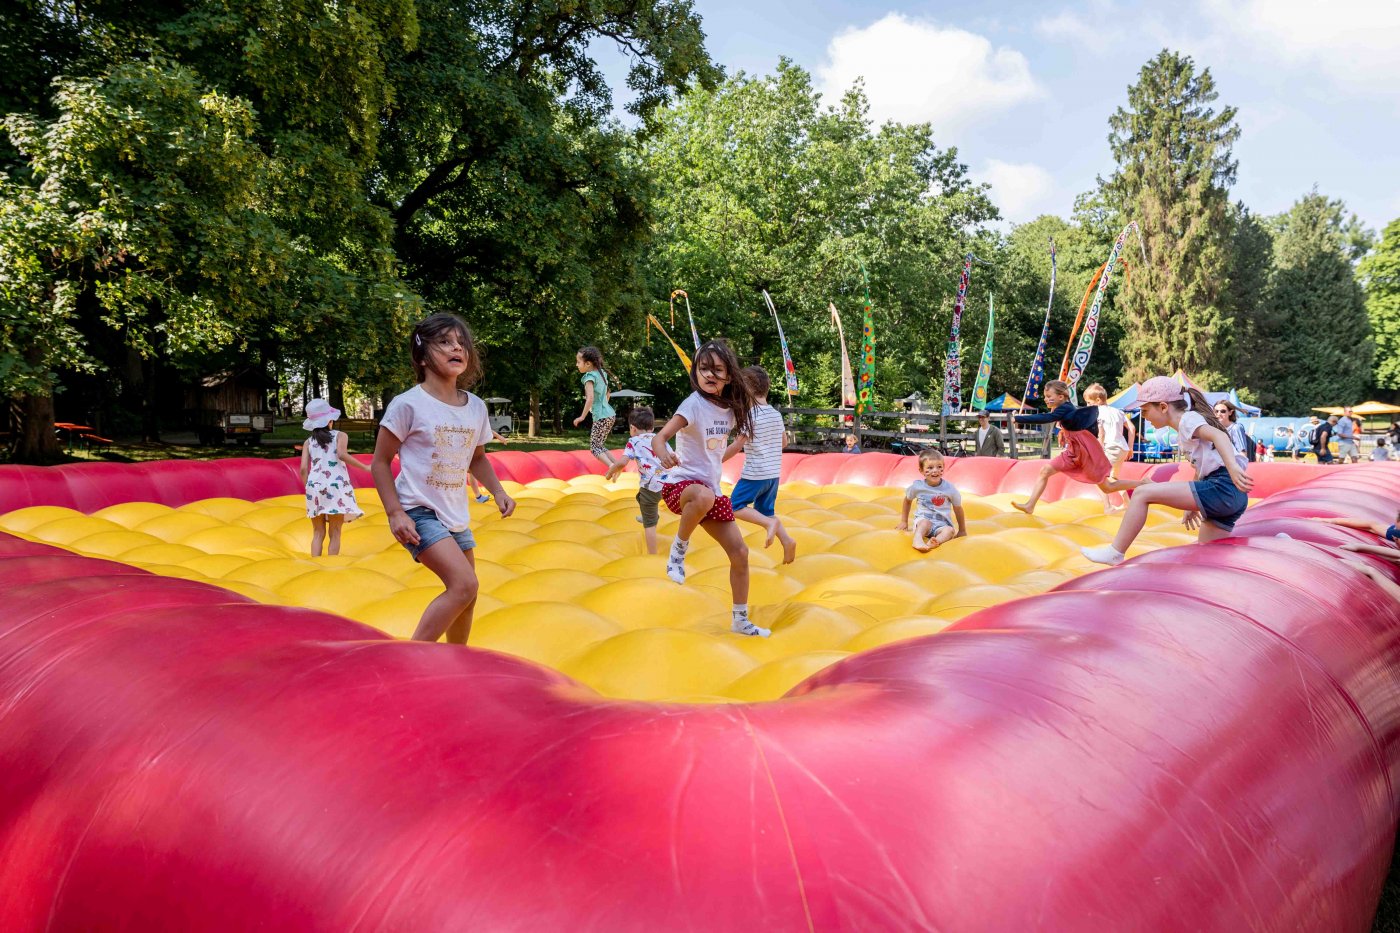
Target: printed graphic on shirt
[(452, 455)]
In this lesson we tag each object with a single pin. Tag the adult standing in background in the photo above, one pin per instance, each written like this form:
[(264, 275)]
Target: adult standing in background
[(1345, 432), (990, 442), (1322, 440)]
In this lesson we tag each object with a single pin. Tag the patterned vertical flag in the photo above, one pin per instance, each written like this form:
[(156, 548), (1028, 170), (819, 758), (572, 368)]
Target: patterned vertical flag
[(1037, 376), (685, 360), (1091, 323), (694, 334), (865, 398), (984, 369), (791, 371), (848, 384), (952, 367)]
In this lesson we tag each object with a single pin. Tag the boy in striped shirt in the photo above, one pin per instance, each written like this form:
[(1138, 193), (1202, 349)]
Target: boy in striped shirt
[(755, 496)]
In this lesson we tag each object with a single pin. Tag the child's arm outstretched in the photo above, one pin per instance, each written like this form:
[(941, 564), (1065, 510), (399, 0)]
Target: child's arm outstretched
[(1360, 524), (1380, 550), (386, 448), (482, 469), (499, 438), (342, 453), (659, 440), (962, 521), (619, 465), (736, 447)]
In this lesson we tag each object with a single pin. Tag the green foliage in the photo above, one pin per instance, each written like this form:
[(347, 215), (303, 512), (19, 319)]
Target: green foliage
[(1381, 273), (1324, 333), (1258, 329), (1173, 178), (761, 186)]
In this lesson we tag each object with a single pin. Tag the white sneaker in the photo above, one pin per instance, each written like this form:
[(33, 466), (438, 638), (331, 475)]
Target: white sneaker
[(746, 627), (1103, 554), (483, 498)]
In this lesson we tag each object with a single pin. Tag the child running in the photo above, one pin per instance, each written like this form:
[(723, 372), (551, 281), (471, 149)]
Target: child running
[(1117, 435), (596, 393), (438, 431), (330, 497), (1083, 458), (690, 488), (939, 502), (755, 496), (641, 423), (1215, 500)]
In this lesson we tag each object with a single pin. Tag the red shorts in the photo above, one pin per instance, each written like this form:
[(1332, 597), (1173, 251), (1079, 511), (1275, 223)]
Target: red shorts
[(721, 511)]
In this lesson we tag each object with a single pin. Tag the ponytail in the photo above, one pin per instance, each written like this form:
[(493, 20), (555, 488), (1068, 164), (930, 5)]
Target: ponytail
[(1196, 402), (322, 436)]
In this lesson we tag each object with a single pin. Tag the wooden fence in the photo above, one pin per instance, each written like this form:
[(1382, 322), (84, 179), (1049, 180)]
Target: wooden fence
[(824, 429)]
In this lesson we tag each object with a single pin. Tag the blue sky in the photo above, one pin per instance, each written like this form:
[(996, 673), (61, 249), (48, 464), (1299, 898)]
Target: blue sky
[(1024, 90)]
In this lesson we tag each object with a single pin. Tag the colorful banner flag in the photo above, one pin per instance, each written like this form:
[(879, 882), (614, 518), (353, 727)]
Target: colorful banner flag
[(865, 397), (694, 334), (653, 322), (984, 369), (848, 384), (791, 371), (1078, 320), (1091, 323), (1037, 376), (952, 365)]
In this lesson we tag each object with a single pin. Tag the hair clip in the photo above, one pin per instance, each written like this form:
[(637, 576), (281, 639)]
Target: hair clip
[(417, 340)]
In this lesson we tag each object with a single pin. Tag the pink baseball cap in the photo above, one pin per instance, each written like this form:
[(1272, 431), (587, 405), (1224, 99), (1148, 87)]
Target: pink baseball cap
[(1161, 389)]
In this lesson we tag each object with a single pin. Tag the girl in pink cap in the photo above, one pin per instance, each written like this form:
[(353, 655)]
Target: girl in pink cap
[(1215, 499)]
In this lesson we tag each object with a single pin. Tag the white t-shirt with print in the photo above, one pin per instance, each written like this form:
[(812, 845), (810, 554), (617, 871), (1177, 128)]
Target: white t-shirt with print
[(438, 443), (1112, 422), (648, 467), (933, 501), (1201, 452), (763, 454), (700, 445)]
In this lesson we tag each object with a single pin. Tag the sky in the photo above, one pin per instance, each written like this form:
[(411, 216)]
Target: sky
[(1024, 90)]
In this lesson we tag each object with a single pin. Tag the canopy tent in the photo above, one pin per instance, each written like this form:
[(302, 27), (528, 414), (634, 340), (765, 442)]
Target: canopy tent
[(1365, 409), (496, 400), (1187, 382), (1005, 402), (1127, 399), (630, 393), (1233, 399)]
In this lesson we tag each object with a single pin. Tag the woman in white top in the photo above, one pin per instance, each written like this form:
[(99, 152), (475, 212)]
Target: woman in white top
[(1118, 437)]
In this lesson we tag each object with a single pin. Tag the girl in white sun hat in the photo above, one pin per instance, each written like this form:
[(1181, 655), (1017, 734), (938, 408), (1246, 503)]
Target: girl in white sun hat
[(1215, 499), (330, 498)]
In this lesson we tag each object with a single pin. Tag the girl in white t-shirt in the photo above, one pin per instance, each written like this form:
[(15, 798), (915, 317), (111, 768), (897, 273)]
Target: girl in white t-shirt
[(720, 404), (1117, 435), (438, 430), (1215, 499)]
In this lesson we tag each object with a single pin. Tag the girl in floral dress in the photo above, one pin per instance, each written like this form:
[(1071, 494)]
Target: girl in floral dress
[(330, 499)]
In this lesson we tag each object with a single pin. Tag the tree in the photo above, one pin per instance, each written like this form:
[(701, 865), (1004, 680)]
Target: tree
[(1324, 333), (1258, 330), (761, 186), (1381, 273), (1173, 178)]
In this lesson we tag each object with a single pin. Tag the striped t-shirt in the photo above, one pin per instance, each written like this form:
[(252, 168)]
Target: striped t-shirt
[(763, 454)]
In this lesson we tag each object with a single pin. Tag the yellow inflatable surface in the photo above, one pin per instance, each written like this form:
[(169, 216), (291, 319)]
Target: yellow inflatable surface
[(567, 582)]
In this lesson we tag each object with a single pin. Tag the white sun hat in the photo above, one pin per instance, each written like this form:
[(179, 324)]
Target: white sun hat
[(319, 413)]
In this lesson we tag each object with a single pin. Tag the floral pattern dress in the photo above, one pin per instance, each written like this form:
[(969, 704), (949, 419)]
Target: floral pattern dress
[(328, 488)]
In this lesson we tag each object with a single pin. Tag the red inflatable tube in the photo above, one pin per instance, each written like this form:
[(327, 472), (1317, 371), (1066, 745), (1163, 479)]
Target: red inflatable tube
[(1203, 738)]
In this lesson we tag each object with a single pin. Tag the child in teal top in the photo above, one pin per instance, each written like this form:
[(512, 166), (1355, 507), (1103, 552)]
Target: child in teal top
[(595, 402)]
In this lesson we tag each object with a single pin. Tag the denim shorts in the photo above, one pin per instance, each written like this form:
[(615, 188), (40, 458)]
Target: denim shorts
[(937, 520), (1220, 501), (431, 531), (762, 494)]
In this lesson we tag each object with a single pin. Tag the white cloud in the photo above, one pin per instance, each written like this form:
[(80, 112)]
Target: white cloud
[(1355, 43), (917, 71), (1021, 190)]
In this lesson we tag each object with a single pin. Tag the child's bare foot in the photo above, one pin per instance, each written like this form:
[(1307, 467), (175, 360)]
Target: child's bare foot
[(932, 543), (773, 526), (921, 544), (789, 545), (1024, 507)]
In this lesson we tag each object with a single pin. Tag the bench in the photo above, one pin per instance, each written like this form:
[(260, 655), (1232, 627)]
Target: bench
[(357, 425), (95, 439)]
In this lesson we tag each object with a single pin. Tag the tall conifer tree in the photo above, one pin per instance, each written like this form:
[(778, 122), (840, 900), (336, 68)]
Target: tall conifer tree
[(1381, 272), (1174, 171)]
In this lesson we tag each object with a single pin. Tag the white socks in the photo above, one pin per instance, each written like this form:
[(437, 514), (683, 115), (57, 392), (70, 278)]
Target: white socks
[(675, 563), (1103, 554), (741, 624)]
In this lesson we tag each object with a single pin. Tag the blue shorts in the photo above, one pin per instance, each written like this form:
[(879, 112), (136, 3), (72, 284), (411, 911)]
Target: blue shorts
[(431, 531), (1220, 501), (937, 520), (762, 494)]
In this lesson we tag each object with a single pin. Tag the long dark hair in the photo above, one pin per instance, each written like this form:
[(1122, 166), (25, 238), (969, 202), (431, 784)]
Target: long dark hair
[(1230, 407), (432, 328), (736, 395), (1200, 406), (594, 357), (322, 436)]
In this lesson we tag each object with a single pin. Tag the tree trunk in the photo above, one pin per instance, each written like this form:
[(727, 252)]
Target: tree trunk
[(534, 413), (150, 416), (335, 383), (558, 417), (37, 441)]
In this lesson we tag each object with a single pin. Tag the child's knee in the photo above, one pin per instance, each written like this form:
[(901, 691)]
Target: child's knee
[(463, 589), (1047, 471), (739, 553), (703, 497)]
